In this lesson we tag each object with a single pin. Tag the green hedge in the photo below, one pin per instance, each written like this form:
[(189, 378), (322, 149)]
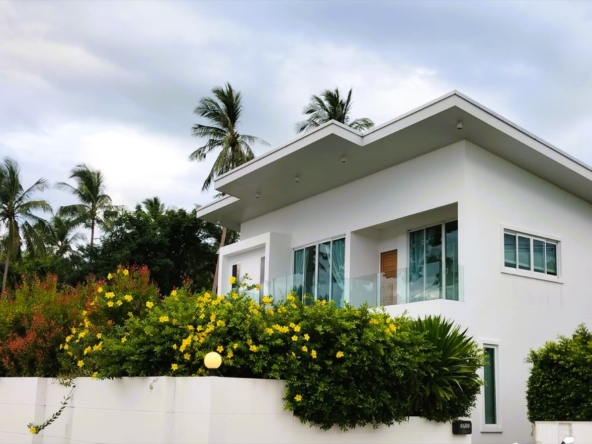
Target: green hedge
[(560, 383)]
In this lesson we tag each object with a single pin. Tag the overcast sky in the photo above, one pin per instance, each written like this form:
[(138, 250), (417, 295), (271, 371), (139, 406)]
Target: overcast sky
[(114, 84)]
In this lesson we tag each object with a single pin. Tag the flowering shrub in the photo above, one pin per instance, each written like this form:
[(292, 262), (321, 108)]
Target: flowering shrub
[(111, 303), (34, 321), (344, 367)]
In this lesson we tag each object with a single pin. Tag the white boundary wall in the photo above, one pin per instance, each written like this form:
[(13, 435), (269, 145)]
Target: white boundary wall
[(550, 432), (180, 410)]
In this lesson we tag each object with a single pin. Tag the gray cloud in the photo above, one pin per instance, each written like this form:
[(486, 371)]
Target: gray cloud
[(114, 83)]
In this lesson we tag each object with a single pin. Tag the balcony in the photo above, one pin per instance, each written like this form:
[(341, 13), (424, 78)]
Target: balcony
[(379, 289)]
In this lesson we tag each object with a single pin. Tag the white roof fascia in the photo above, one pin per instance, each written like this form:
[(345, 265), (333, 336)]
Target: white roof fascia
[(321, 132), (216, 205)]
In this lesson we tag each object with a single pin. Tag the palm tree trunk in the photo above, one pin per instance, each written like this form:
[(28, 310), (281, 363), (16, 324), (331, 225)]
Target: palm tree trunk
[(222, 239), (5, 272), (92, 233)]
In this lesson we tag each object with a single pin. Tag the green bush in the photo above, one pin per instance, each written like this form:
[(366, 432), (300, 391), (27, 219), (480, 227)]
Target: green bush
[(344, 367), (560, 384), (450, 384)]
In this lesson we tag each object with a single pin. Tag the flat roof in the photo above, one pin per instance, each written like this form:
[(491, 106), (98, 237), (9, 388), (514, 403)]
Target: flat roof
[(267, 183)]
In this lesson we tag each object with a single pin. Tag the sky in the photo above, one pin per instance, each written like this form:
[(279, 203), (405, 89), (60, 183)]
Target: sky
[(113, 84)]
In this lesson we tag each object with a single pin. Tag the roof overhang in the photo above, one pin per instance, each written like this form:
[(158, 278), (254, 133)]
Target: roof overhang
[(268, 182)]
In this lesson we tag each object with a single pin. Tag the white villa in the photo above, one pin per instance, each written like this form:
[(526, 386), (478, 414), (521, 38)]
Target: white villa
[(449, 209)]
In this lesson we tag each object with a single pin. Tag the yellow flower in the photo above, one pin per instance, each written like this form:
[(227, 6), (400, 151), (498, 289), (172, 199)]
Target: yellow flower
[(84, 312), (130, 314), (297, 328), (304, 348), (94, 375), (100, 290), (393, 327), (232, 280), (298, 398), (290, 297), (221, 323), (99, 346), (235, 345), (125, 272), (174, 366), (374, 321), (257, 287), (149, 304), (249, 341), (220, 349), (190, 327), (175, 346), (213, 317), (128, 297), (87, 350), (163, 319), (68, 338), (174, 293), (82, 334), (234, 295), (123, 339), (119, 303), (339, 354), (269, 331), (109, 276), (33, 430), (109, 295), (73, 330), (66, 346), (294, 338), (306, 337), (313, 353), (266, 299), (253, 348), (80, 364), (207, 295), (110, 304), (187, 356), (99, 335), (229, 354)]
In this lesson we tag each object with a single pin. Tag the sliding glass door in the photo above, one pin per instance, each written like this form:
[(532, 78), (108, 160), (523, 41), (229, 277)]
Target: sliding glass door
[(433, 262), (319, 271)]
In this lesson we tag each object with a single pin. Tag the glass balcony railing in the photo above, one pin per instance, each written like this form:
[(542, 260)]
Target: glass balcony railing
[(394, 288)]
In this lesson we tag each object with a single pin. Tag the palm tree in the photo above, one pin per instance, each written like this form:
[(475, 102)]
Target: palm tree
[(16, 210), (223, 111), (94, 204), (331, 106), (60, 234), (153, 206)]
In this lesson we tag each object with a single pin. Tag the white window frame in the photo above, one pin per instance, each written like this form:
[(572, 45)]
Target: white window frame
[(532, 235), (316, 272), (492, 428)]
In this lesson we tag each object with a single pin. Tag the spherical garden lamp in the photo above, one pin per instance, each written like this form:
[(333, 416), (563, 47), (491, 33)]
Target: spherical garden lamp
[(212, 360)]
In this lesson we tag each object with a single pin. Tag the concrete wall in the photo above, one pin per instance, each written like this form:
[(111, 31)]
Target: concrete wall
[(549, 432), (180, 410)]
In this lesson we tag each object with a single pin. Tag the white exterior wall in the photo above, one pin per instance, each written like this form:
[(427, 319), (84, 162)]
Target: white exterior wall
[(486, 193), (180, 410)]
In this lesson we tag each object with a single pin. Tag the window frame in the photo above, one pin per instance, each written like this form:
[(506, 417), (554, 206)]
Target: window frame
[(497, 427), (316, 272), (532, 236), (442, 225)]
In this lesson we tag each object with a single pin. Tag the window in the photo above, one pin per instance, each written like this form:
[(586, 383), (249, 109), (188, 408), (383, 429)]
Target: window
[(236, 274), (490, 386), (319, 270), (530, 253), (433, 262)]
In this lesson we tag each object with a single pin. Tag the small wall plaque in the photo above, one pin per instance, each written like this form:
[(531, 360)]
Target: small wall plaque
[(462, 427)]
